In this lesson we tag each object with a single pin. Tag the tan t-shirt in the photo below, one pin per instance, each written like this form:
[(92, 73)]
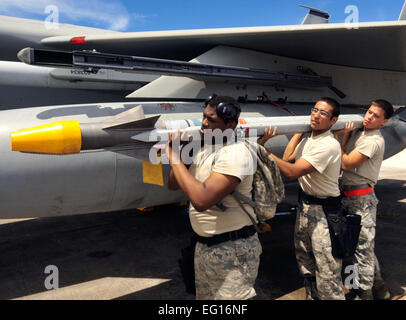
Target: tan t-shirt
[(372, 145), (234, 160), (323, 152)]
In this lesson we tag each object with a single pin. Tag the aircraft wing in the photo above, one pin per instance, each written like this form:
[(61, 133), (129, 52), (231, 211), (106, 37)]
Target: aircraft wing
[(18, 33), (374, 45)]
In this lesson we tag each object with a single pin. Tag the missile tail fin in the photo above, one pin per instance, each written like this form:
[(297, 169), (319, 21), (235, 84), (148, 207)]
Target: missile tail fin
[(133, 118), (402, 15), (146, 123)]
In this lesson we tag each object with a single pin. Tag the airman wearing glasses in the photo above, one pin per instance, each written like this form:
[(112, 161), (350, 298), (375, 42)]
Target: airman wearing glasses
[(315, 161)]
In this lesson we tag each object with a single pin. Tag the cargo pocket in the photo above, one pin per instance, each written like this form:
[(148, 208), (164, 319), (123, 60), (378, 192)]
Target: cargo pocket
[(365, 206), (368, 211), (247, 252)]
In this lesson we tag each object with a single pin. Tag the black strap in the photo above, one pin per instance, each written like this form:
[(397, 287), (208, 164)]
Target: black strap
[(309, 199), (238, 196), (245, 232), (355, 187)]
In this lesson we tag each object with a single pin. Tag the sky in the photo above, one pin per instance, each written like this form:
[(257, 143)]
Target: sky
[(153, 15)]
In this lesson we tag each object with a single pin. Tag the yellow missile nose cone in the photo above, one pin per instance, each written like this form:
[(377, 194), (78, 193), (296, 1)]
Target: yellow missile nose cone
[(61, 137)]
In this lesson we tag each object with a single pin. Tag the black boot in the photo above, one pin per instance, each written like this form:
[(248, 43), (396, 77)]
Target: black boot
[(380, 289), (359, 294), (351, 295), (364, 294), (311, 288)]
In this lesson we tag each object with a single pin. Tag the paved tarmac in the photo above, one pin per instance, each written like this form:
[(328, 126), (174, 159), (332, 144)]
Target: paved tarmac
[(133, 254)]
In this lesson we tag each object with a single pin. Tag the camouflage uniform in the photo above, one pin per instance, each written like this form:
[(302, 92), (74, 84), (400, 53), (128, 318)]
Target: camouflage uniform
[(227, 270), (322, 271), (364, 258)]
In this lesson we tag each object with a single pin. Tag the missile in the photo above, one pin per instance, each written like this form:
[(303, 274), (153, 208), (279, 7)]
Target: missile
[(134, 129)]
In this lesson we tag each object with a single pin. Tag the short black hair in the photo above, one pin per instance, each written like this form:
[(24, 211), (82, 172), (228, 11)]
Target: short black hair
[(229, 105), (332, 103), (385, 106)]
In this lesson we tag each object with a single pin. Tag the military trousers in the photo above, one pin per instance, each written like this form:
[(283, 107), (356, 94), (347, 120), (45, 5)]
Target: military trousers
[(228, 270), (364, 260), (322, 271)]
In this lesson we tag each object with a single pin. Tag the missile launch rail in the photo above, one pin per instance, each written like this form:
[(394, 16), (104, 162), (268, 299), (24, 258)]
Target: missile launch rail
[(92, 61)]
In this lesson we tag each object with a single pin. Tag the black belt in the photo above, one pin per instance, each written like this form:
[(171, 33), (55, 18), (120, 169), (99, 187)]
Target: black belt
[(309, 199), (245, 232), (355, 187)]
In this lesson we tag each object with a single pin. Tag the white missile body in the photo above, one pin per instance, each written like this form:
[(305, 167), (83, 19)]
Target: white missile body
[(247, 127)]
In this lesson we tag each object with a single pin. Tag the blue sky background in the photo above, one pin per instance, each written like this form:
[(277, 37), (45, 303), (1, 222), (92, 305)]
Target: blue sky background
[(126, 15)]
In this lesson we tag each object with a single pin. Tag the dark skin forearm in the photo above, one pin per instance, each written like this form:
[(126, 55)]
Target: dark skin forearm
[(184, 179), (172, 182), (204, 195)]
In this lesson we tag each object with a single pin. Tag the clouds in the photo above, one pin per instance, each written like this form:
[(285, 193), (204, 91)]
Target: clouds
[(101, 13)]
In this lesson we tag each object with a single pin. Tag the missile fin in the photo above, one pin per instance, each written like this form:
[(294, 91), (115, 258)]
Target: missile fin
[(123, 117), (146, 123), (133, 118)]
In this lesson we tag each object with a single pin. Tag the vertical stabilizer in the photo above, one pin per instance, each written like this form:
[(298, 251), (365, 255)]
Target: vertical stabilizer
[(402, 15), (315, 16)]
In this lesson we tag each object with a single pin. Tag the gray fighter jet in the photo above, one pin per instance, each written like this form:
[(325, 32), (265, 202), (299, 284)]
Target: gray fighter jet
[(86, 158)]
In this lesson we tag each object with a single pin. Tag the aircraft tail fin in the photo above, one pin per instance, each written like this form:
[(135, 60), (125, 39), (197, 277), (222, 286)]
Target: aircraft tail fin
[(315, 16), (402, 15)]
